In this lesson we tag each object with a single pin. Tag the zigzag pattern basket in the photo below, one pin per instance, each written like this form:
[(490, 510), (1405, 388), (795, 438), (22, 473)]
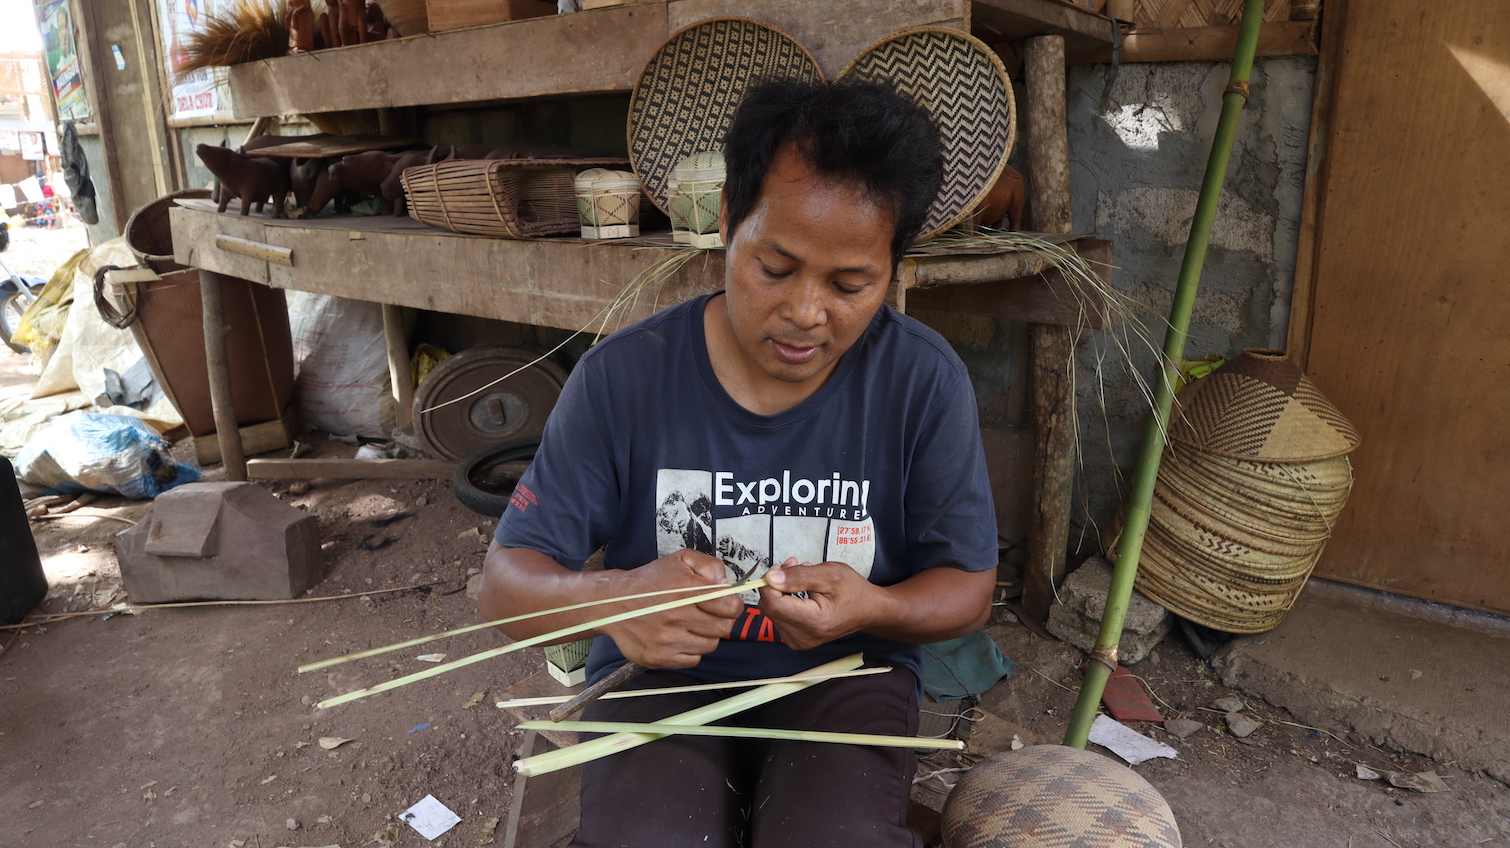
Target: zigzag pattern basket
[(511, 198), (685, 99), (965, 89)]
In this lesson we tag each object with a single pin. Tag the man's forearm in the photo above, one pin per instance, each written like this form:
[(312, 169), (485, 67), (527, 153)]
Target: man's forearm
[(934, 605), (516, 581)]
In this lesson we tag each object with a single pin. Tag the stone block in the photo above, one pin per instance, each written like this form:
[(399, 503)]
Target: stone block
[(1076, 616), (220, 541)]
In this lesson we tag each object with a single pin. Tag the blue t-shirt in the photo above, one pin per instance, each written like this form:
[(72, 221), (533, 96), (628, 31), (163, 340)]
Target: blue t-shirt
[(645, 453)]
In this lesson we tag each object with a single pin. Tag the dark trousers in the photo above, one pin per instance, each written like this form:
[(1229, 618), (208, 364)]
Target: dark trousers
[(691, 791)]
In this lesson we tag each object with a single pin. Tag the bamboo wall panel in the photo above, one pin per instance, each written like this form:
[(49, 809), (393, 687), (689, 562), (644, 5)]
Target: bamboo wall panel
[(1408, 313), (1167, 14)]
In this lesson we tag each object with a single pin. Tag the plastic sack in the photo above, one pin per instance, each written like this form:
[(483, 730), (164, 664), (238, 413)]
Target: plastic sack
[(340, 365), (112, 454)]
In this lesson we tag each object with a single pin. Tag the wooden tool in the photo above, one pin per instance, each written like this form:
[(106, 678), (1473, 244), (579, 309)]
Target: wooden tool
[(621, 675)]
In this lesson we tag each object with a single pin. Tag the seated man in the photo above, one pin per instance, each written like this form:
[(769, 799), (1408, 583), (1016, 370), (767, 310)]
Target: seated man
[(791, 427)]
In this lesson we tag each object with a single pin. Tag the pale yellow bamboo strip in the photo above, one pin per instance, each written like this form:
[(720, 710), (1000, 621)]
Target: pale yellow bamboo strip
[(536, 640), (664, 729), (398, 646), (615, 742), (699, 687)]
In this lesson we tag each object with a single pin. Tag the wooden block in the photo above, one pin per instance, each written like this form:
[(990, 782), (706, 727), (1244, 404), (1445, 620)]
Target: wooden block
[(258, 438), (349, 469), (263, 549), (187, 527), (461, 14), (545, 808)]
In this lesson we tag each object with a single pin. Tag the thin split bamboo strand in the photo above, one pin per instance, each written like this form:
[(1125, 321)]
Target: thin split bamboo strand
[(399, 646), (536, 640), (549, 700), (603, 746), (664, 729)]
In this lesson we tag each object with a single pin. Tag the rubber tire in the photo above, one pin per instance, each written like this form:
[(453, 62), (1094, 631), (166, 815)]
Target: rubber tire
[(6, 330), (479, 500)]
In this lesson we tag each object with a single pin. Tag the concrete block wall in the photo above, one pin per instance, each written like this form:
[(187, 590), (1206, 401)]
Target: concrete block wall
[(1137, 159)]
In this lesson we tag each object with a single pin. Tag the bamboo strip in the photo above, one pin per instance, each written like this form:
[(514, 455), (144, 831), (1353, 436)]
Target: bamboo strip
[(536, 640), (398, 646), (612, 744), (664, 729), (549, 700)]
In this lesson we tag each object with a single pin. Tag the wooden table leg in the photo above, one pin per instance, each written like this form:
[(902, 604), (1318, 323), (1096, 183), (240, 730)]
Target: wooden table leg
[(217, 362), (1051, 349), (399, 372)]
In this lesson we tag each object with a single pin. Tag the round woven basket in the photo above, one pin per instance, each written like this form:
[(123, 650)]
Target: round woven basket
[(1054, 796), (149, 235), (964, 88), (686, 97)]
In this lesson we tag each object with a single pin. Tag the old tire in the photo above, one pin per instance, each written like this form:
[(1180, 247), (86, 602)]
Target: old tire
[(484, 493), (12, 307)]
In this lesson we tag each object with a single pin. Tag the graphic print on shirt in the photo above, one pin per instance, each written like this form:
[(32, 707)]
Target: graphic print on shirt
[(750, 524)]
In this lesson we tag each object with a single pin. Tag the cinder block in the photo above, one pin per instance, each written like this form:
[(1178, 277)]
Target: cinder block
[(220, 541), (1076, 616)]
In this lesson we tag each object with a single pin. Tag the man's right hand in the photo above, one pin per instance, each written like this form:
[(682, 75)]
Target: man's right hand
[(676, 638)]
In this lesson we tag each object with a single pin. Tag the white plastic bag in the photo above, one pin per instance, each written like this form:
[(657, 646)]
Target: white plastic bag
[(102, 453), (340, 365)]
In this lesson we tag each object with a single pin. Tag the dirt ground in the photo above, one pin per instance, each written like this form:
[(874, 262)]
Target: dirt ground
[(190, 727)]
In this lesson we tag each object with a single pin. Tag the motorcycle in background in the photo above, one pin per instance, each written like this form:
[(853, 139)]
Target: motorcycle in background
[(16, 295)]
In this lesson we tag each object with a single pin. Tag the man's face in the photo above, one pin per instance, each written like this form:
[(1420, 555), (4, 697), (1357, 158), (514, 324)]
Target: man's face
[(807, 270)]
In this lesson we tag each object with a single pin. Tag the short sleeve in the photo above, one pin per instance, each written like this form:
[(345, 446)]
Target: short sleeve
[(950, 517), (567, 502)]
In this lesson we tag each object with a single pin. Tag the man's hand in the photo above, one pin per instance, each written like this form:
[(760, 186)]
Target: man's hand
[(930, 606), (839, 602), (676, 638)]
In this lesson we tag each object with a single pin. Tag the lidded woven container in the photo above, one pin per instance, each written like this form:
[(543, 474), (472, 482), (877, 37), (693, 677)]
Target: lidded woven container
[(512, 198), (1253, 482), (608, 203), (695, 194)]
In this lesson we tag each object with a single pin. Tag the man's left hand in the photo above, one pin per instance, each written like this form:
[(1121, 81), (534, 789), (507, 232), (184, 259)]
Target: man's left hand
[(839, 602)]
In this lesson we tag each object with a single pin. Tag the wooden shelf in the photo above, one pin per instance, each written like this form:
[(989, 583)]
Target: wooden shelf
[(567, 283), (603, 50)]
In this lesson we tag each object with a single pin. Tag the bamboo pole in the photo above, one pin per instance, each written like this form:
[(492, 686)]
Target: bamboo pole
[(1130, 548), (778, 734)]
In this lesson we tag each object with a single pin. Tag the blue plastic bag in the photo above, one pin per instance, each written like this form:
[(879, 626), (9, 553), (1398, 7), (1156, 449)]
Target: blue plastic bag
[(110, 454)]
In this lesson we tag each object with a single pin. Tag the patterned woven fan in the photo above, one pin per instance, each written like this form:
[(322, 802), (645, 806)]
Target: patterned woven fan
[(687, 94), (1261, 406), (965, 89)]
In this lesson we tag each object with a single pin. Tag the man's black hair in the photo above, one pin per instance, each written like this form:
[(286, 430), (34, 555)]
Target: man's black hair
[(862, 134)]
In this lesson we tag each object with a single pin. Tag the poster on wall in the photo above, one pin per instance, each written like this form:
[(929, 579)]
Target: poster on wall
[(60, 46), (32, 146), (10, 140), (197, 94)]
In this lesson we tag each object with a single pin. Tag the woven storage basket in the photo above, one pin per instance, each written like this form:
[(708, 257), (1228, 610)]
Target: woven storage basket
[(965, 89), (512, 198)]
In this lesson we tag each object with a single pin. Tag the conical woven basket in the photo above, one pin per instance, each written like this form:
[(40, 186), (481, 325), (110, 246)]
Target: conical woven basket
[(1261, 406), (964, 88)]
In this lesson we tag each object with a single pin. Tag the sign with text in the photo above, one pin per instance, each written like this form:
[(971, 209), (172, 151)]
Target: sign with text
[(60, 47)]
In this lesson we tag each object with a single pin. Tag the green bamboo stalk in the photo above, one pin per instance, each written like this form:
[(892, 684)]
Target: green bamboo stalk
[(398, 646), (603, 746), (664, 729), (548, 700), (1130, 547), (537, 640)]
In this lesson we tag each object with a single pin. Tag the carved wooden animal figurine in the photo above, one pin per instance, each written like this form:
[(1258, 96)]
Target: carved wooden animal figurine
[(353, 20), (251, 178), (375, 26), (393, 186), (330, 29), (301, 27), (364, 173), (1002, 205)]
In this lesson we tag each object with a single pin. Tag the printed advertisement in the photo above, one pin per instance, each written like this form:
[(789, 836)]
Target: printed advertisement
[(197, 94), (61, 49), (32, 146)]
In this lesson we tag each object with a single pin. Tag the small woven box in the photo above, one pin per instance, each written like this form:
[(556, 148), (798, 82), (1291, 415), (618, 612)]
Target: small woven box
[(512, 198), (608, 203), (695, 193), (568, 663)]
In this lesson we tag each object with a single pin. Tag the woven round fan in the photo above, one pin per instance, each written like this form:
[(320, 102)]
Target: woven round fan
[(961, 84), (685, 99), (1261, 406)]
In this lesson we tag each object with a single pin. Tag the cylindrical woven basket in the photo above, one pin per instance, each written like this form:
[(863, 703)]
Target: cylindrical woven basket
[(149, 235), (510, 198)]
